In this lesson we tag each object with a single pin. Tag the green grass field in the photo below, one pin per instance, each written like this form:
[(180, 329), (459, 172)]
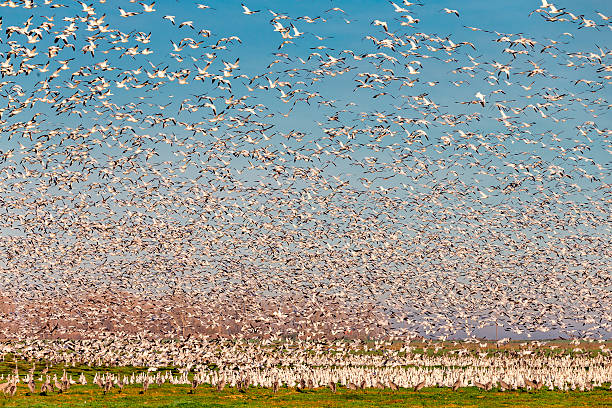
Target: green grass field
[(177, 396)]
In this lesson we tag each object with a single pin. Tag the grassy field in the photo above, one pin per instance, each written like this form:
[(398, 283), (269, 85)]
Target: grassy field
[(177, 396)]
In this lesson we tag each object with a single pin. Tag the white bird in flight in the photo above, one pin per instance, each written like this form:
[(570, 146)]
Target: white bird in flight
[(247, 11)]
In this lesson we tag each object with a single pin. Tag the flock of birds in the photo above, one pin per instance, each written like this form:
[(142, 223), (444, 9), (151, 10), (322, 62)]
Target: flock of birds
[(243, 172), (304, 365)]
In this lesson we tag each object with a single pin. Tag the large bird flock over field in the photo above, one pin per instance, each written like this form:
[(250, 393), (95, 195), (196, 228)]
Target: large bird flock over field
[(53, 366), (307, 171)]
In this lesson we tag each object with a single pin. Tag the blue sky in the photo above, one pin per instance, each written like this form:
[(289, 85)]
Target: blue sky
[(328, 150)]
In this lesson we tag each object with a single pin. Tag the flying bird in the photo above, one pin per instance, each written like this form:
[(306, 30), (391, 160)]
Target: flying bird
[(247, 11)]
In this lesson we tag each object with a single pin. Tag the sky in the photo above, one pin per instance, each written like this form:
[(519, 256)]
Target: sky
[(345, 153)]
